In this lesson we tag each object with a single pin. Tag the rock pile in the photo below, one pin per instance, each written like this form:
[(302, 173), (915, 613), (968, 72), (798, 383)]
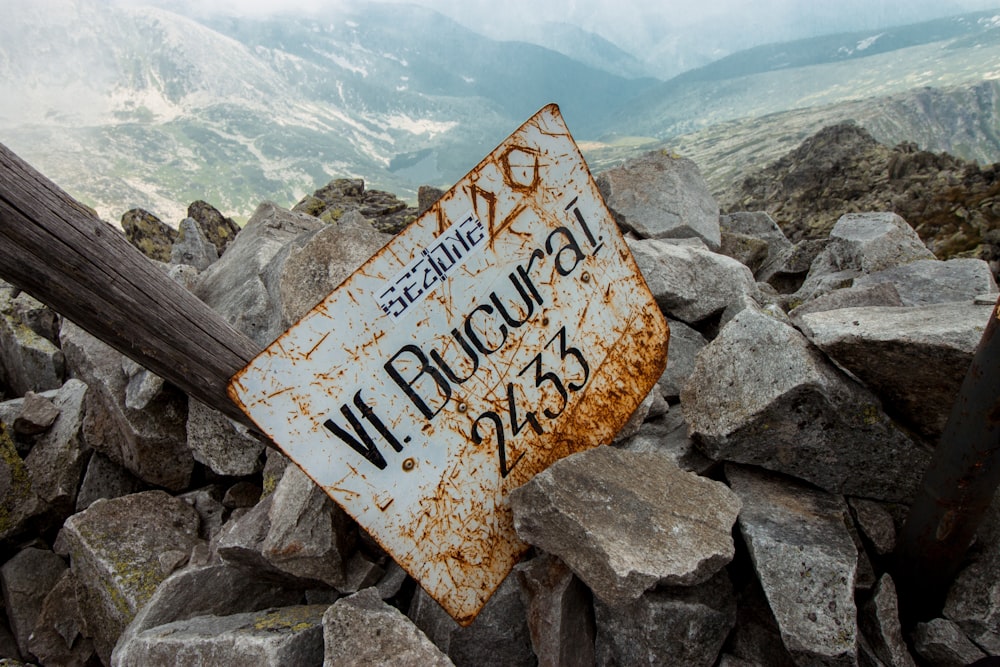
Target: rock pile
[(952, 204), (745, 517)]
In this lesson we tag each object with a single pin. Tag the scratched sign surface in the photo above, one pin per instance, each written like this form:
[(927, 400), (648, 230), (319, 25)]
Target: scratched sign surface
[(503, 330)]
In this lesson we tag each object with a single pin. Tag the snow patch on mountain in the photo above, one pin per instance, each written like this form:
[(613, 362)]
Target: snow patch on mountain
[(432, 128), (865, 43)]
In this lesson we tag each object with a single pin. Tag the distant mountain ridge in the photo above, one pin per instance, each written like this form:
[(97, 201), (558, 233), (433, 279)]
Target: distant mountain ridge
[(965, 30), (961, 120), (815, 72), (143, 107)]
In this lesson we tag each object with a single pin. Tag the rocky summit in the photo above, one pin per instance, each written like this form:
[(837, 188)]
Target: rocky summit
[(953, 204), (746, 516)]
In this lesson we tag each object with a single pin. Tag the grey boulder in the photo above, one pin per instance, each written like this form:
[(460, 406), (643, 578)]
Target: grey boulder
[(625, 522)]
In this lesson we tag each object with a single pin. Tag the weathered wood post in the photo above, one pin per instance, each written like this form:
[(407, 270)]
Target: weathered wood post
[(59, 252)]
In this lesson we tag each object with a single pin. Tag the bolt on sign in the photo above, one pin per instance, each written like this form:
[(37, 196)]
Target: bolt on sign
[(504, 329)]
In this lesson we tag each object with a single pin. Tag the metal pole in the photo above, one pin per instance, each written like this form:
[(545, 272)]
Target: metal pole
[(957, 488)]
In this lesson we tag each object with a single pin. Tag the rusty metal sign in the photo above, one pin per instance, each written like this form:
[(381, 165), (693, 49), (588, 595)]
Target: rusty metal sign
[(503, 330)]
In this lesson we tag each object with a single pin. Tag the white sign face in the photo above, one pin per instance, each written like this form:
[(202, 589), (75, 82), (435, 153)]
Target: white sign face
[(503, 330)]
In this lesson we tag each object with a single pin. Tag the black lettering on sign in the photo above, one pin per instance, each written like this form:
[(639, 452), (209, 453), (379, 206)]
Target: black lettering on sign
[(542, 377), (565, 351), (426, 379), (473, 359), (365, 446), (441, 389), (477, 438), (550, 377), (570, 246), (597, 243)]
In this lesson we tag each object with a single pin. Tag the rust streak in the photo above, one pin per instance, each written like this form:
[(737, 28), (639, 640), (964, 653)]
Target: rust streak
[(316, 346)]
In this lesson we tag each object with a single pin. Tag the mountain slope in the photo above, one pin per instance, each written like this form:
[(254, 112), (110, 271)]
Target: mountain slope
[(961, 120), (810, 73), (132, 106), (136, 106)]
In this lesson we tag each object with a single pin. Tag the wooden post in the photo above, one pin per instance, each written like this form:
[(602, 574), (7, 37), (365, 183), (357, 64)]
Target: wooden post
[(59, 252), (957, 488)]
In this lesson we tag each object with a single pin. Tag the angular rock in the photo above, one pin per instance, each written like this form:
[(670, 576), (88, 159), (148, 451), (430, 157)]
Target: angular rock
[(928, 281), (659, 195), (872, 242), (58, 457), (692, 284), (234, 286), (498, 636), (361, 573), (865, 577), (18, 500), (756, 638), (427, 196), (875, 523), (914, 358), (270, 638), (309, 537), (392, 581), (879, 620), (314, 264), (669, 435), (207, 502), (973, 601), (36, 416), (28, 360), (241, 540), (760, 225), (882, 294), (242, 494), (151, 442), (143, 386), (760, 394), (343, 196), (685, 344), (789, 270), (148, 233), (940, 642), (192, 247), (32, 313), (747, 250), (560, 615), (57, 635), (211, 590), (26, 579), (806, 562), (221, 445), (217, 228), (184, 275), (363, 630), (625, 522), (114, 549), (638, 417), (862, 243), (105, 479), (275, 463), (671, 626)]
